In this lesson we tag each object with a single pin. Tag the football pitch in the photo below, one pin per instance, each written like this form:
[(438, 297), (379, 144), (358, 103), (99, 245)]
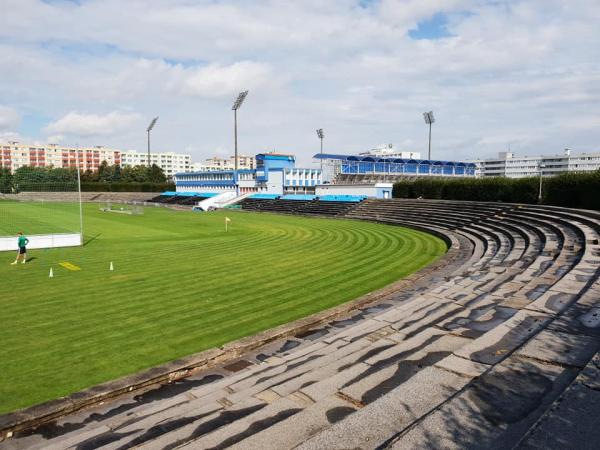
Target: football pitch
[(180, 285)]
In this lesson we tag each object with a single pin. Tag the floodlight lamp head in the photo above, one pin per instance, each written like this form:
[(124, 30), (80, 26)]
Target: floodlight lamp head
[(428, 116), (152, 124), (240, 99), (320, 133)]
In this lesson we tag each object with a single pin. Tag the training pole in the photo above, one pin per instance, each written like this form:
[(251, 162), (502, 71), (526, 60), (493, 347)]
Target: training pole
[(80, 202)]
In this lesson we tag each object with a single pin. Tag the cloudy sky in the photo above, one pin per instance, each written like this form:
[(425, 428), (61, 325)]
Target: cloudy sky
[(496, 73)]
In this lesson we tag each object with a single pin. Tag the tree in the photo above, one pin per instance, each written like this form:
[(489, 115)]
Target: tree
[(105, 171), (89, 175), (29, 178), (138, 174), (6, 180), (156, 174), (116, 176)]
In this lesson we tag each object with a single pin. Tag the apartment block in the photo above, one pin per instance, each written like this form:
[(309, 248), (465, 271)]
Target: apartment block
[(15, 155)]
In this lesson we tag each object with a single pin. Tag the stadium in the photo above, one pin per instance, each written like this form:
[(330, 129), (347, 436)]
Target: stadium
[(146, 320), (308, 225)]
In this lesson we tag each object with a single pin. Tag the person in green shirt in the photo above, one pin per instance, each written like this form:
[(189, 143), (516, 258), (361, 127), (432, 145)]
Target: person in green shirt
[(22, 244)]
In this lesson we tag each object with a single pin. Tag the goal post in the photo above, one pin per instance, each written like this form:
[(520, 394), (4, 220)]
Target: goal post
[(44, 204)]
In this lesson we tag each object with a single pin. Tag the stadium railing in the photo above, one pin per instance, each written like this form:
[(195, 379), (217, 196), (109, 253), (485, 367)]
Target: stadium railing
[(342, 198), (298, 197)]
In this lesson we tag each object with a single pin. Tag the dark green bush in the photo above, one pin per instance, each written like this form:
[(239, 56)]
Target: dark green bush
[(126, 187), (106, 179), (575, 190)]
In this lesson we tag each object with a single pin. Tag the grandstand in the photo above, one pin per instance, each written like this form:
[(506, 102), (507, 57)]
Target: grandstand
[(182, 198), (326, 205), (494, 346), (370, 169)]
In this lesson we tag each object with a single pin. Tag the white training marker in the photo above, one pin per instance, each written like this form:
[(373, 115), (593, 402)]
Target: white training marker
[(111, 266), (51, 275)]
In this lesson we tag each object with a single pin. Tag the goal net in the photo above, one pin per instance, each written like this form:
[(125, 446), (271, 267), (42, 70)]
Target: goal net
[(132, 208), (44, 204)]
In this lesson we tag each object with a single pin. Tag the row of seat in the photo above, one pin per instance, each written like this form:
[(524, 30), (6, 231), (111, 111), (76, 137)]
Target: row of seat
[(370, 178), (309, 207), (177, 199), (494, 346)]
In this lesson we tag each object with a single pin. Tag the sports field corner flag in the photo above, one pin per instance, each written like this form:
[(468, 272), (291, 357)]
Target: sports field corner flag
[(227, 220)]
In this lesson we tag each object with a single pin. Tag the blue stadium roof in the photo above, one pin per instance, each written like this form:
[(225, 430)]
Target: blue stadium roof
[(275, 156)]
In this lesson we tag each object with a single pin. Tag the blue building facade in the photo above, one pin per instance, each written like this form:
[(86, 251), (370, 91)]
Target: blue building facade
[(365, 165), (274, 174)]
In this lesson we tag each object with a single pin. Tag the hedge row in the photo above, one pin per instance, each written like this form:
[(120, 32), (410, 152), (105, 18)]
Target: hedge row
[(126, 187), (575, 190)]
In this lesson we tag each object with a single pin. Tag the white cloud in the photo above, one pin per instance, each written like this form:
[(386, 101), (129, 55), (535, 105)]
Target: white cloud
[(216, 80), (10, 136), (406, 14), (55, 139), (88, 125), (9, 118), (350, 69)]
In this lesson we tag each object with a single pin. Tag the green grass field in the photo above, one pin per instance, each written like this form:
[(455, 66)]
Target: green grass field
[(180, 285)]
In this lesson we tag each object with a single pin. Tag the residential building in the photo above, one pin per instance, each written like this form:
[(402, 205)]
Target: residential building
[(170, 162), (388, 151), (14, 155), (507, 164), (216, 163)]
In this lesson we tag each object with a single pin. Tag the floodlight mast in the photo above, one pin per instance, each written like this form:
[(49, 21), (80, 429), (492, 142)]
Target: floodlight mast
[(148, 130), (541, 167), (321, 135), (429, 119), (236, 105)]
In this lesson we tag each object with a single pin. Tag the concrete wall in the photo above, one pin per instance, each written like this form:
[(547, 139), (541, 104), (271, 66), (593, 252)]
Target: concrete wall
[(275, 182), (85, 196), (377, 190)]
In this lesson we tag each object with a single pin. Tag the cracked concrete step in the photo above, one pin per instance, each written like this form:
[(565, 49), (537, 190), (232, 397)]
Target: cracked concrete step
[(252, 386), (344, 365), (236, 431), (446, 343), (373, 425), (386, 371), (572, 420), (233, 432), (493, 412), (560, 348), (175, 432), (103, 419), (287, 433), (497, 344)]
